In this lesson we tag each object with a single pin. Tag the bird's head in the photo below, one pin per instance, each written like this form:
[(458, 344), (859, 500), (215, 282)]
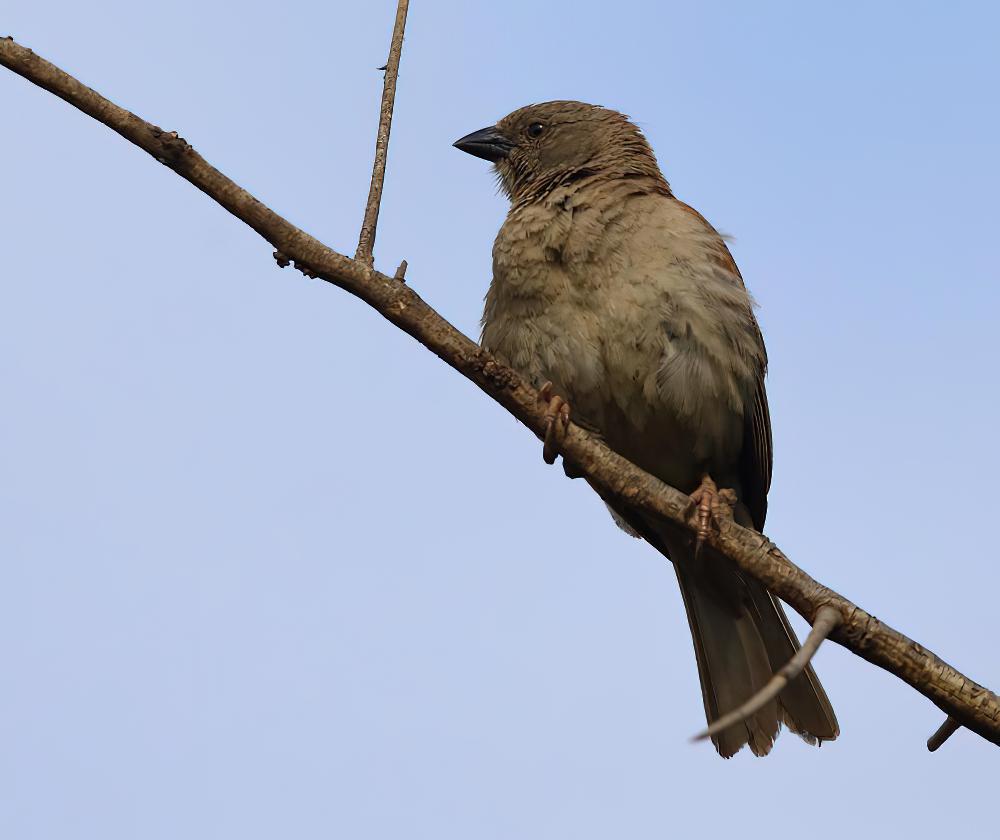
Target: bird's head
[(541, 146)]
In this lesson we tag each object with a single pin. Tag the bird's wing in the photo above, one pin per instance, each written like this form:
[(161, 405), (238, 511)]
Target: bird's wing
[(757, 456)]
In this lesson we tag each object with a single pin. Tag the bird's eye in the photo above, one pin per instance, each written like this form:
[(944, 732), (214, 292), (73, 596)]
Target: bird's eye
[(535, 130)]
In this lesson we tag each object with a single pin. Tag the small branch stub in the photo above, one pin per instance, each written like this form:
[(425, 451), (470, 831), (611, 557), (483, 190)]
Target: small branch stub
[(943, 733)]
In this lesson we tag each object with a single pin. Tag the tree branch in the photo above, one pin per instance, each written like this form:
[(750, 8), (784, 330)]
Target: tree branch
[(366, 242), (969, 703)]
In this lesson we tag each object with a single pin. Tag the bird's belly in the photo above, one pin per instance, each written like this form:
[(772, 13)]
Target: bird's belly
[(613, 390), (558, 345)]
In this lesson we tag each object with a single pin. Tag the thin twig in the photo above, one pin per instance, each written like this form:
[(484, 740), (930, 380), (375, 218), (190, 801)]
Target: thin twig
[(366, 241), (975, 707), (944, 732), (826, 620)]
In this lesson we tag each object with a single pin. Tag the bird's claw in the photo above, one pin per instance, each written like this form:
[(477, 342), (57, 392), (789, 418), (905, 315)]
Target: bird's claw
[(710, 505), (556, 422)]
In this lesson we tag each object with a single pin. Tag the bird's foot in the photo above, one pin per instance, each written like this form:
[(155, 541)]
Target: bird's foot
[(710, 505), (556, 422)]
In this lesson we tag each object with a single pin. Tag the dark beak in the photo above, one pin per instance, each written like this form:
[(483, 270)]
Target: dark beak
[(487, 143)]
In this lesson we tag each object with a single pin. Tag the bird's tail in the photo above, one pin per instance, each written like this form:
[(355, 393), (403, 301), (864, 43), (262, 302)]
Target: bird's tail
[(741, 638)]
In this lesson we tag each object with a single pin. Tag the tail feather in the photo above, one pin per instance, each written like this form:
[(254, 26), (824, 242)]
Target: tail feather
[(741, 637), (732, 665), (806, 709)]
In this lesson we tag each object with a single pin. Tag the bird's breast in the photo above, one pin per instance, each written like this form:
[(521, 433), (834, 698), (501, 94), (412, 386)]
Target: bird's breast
[(609, 303)]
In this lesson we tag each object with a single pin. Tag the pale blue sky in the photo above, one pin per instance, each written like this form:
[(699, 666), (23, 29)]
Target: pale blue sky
[(270, 569)]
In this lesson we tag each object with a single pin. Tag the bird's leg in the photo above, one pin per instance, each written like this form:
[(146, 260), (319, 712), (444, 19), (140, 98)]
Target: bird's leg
[(556, 422), (711, 503)]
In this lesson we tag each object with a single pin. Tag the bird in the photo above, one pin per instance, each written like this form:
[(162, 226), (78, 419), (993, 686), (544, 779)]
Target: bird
[(623, 306)]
